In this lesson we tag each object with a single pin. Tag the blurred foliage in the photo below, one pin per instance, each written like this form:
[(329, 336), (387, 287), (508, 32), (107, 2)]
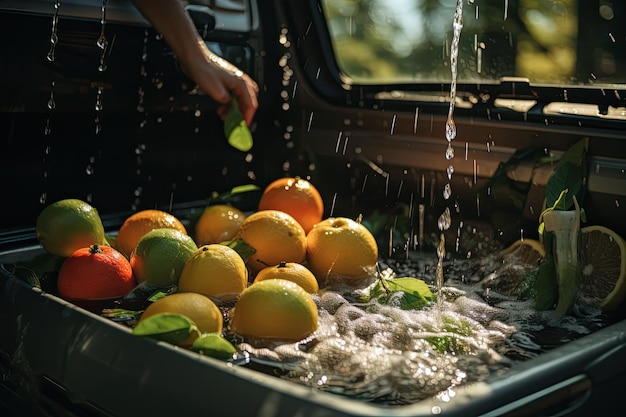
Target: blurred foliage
[(545, 41)]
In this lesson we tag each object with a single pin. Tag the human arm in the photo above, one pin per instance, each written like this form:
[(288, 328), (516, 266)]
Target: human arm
[(214, 75)]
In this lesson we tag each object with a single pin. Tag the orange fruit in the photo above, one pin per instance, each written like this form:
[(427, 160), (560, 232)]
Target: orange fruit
[(341, 248), (290, 271), (218, 223), (274, 309), (140, 223), (160, 256), (196, 307), (95, 273), (67, 225), (296, 197), (215, 270), (276, 237)]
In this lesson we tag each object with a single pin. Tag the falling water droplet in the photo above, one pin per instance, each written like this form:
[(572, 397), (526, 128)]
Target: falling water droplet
[(54, 39), (47, 128), (51, 102), (338, 142), (332, 206), (449, 152), (450, 129), (308, 129), (102, 41), (445, 220), (450, 171)]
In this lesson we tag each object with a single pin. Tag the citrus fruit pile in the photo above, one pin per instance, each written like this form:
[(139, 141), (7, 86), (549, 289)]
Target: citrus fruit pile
[(252, 275)]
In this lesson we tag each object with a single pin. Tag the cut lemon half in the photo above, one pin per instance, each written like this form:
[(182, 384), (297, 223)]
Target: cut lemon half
[(526, 251), (603, 267)]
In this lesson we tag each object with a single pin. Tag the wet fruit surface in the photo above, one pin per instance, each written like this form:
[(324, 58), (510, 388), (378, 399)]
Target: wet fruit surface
[(95, 273)]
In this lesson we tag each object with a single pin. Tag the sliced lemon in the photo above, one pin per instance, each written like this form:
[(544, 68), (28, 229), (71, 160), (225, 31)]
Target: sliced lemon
[(527, 251), (603, 267)]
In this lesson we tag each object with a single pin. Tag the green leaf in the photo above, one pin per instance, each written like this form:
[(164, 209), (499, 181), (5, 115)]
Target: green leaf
[(236, 130), (416, 293), (121, 314), (214, 345), (451, 337), (244, 188), (566, 176), (160, 293), (576, 154), (168, 327), (241, 247)]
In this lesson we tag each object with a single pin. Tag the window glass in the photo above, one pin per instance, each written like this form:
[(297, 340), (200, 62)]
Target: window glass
[(557, 42)]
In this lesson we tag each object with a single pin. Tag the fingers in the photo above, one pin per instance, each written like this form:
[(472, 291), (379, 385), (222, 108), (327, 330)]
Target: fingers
[(245, 90), (221, 80), (247, 98)]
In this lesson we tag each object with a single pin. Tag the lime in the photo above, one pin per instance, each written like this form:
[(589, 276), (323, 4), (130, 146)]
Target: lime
[(160, 255), (67, 225)]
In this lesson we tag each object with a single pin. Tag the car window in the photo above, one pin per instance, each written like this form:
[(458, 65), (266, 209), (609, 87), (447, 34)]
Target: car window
[(548, 42)]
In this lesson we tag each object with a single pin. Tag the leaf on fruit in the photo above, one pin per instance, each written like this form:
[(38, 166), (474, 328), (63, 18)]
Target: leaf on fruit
[(241, 247), (168, 327), (214, 345)]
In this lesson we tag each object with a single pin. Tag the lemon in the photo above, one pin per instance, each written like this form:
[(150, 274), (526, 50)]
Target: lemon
[(291, 271), (341, 248), (526, 251), (67, 225), (274, 309), (603, 267), (160, 256), (275, 236), (215, 270)]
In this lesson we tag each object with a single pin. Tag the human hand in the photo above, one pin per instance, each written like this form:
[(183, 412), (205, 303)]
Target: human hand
[(220, 79), (214, 75)]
